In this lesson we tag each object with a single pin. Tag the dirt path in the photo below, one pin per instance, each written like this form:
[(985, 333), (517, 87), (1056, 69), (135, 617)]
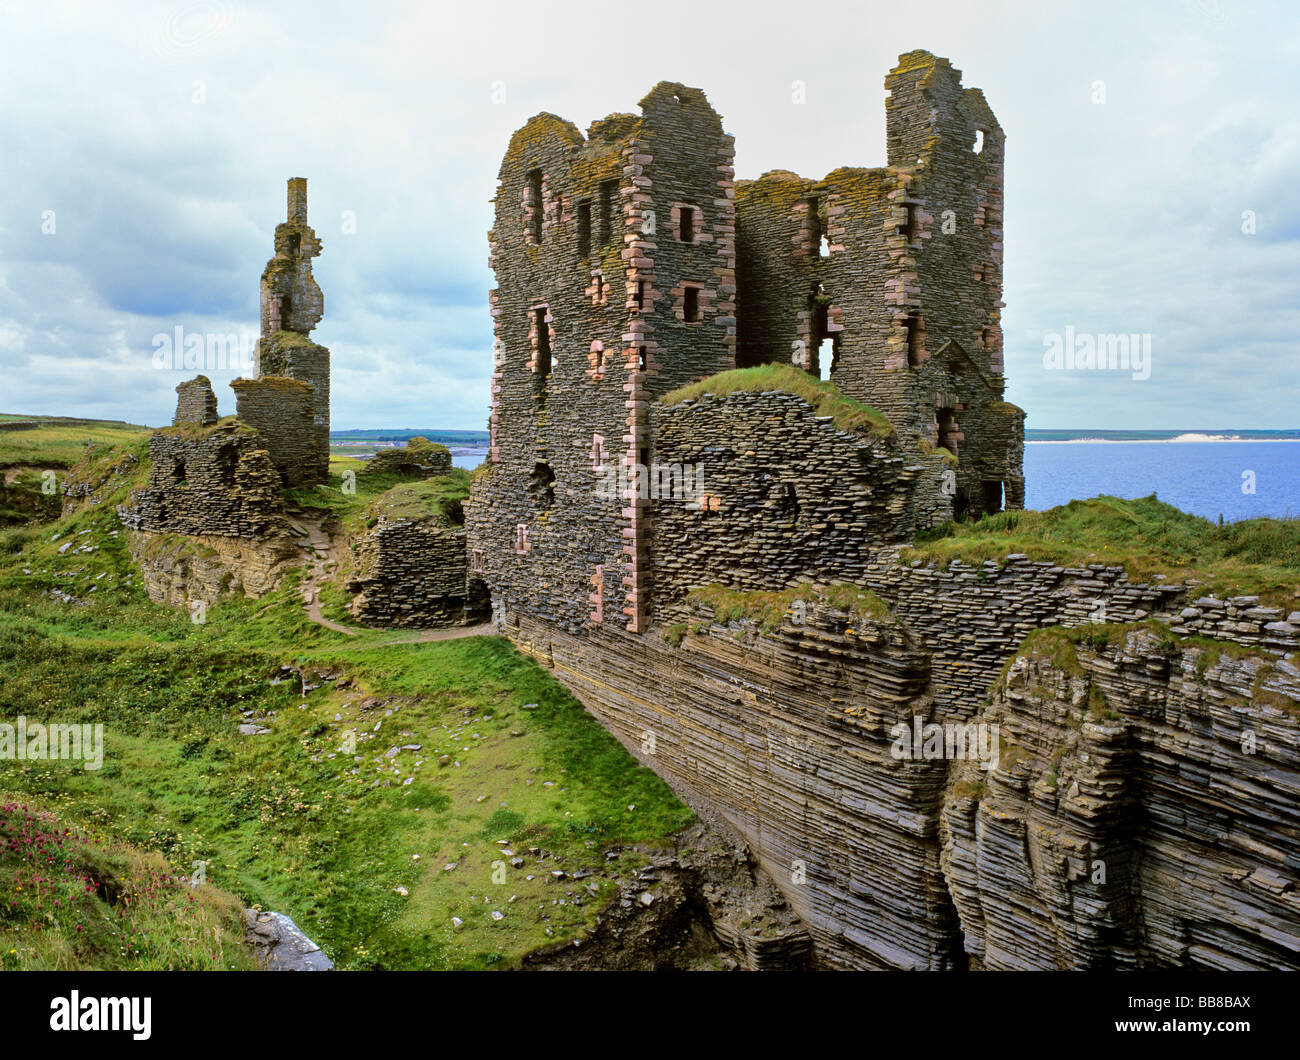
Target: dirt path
[(325, 551)]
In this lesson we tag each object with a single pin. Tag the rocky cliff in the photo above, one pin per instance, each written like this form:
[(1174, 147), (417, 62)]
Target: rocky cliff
[(1127, 797), (1145, 810)]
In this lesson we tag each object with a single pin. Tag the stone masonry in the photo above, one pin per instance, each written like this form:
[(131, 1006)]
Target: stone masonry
[(195, 402), (217, 481), (291, 306), (281, 408), (895, 275)]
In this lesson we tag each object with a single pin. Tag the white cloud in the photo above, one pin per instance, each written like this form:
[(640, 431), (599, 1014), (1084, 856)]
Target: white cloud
[(1123, 216)]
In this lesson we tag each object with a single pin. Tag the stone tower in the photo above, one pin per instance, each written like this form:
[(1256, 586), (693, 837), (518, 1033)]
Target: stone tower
[(615, 264), (888, 282), (289, 400)]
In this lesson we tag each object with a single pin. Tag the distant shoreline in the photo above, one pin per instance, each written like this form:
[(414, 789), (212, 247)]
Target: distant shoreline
[(1182, 439)]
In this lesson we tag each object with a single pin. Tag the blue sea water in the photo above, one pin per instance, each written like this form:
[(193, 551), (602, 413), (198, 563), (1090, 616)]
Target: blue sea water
[(1204, 478), (468, 459)]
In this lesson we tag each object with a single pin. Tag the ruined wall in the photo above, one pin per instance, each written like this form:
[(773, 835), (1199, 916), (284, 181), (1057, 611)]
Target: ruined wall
[(784, 495), (595, 246), (411, 572), (195, 402), (907, 287), (280, 409), (291, 300), (218, 481), (419, 457), (301, 448), (1144, 813), (291, 306)]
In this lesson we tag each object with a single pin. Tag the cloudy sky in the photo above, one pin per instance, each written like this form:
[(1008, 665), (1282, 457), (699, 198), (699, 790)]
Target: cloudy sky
[(144, 150)]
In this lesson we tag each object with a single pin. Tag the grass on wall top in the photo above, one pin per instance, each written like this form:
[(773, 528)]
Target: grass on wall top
[(1254, 557), (824, 397)]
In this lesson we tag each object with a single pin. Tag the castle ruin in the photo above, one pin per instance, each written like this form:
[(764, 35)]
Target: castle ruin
[(294, 419), (734, 609), (630, 263), (223, 478)]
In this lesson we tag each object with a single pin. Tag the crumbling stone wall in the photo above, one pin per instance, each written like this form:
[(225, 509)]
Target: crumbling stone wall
[(614, 257), (291, 306), (419, 457), (280, 409), (411, 572), (907, 292), (217, 481), (785, 495), (195, 402), (291, 300)]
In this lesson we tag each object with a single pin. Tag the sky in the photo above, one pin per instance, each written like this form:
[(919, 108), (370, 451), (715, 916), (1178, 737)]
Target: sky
[(1152, 180)]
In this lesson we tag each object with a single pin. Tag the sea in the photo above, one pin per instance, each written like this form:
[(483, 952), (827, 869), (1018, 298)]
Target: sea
[(1239, 479)]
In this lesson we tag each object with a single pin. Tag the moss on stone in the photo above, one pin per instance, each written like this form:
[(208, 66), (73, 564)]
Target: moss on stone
[(437, 498), (824, 397), (770, 608)]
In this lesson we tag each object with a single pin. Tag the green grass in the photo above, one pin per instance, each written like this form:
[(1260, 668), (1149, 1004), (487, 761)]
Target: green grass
[(439, 498), (769, 609), (293, 820), (368, 494), (1255, 557), (24, 497), (824, 397), (60, 445), (75, 899)]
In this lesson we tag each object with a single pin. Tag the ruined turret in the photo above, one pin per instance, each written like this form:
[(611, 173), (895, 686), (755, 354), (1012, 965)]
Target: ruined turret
[(291, 306), (291, 298)]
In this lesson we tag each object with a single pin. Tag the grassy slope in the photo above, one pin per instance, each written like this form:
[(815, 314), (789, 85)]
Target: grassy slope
[(25, 457), (1257, 557), (74, 899), (290, 820), (57, 445)]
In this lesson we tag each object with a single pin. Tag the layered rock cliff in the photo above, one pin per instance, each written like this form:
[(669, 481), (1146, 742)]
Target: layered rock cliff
[(1145, 810), (1127, 798)]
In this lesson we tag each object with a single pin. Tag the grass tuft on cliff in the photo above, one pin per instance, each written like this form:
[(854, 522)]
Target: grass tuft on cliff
[(1255, 557), (73, 899), (770, 608), (439, 498), (824, 397)]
